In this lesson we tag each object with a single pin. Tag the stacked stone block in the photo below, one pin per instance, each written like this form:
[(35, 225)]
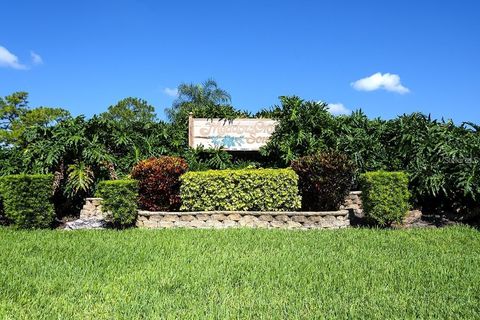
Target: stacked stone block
[(92, 209), (353, 203), (252, 219)]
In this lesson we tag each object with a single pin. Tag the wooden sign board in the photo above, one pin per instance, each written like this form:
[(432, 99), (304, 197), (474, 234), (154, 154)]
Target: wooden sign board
[(231, 135)]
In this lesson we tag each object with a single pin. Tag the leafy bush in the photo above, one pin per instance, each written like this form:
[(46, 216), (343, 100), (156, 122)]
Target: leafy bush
[(245, 189), (441, 160), (27, 200), (385, 196), (325, 180), (304, 127), (119, 200), (159, 183), (2, 213)]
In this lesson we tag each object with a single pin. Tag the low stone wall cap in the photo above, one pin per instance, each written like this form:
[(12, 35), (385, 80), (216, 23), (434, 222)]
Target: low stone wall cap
[(252, 213)]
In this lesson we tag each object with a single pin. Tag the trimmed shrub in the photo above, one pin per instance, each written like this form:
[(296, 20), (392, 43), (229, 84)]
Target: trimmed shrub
[(2, 213), (119, 200), (27, 200), (242, 190), (159, 184), (325, 180), (385, 196)]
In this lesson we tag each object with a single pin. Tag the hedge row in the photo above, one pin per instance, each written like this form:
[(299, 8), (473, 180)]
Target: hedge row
[(2, 213), (385, 196), (27, 200), (243, 190), (119, 200)]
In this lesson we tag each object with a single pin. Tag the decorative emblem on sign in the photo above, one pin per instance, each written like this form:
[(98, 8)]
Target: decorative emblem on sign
[(232, 135)]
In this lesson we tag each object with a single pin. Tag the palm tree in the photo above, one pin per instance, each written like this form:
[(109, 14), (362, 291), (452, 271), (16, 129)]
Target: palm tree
[(197, 98), (205, 93)]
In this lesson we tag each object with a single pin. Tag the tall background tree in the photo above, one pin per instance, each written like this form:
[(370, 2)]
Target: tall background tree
[(16, 117)]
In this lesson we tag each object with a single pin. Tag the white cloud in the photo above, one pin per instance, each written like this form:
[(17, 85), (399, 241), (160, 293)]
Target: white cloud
[(36, 58), (338, 108), (377, 81), (9, 60), (172, 92)]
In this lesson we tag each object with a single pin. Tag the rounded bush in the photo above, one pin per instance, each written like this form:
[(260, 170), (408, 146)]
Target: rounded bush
[(159, 184), (325, 180)]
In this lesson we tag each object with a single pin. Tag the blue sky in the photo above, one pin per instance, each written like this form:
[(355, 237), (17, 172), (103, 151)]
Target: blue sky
[(86, 55)]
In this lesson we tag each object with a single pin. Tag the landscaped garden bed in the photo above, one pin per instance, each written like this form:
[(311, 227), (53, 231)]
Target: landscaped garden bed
[(240, 273)]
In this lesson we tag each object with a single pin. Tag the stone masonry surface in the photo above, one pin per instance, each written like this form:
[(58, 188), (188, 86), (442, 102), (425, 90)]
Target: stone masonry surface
[(252, 219), (92, 210)]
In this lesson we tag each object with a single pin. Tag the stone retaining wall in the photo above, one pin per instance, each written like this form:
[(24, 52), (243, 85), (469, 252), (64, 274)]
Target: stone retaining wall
[(92, 210), (253, 219), (353, 202)]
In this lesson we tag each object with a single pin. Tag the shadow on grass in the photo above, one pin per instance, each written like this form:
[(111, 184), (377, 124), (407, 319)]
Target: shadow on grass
[(426, 221)]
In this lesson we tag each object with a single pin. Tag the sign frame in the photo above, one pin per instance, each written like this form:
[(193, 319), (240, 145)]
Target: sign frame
[(236, 140)]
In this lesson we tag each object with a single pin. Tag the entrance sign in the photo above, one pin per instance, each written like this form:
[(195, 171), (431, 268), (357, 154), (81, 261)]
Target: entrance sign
[(231, 135)]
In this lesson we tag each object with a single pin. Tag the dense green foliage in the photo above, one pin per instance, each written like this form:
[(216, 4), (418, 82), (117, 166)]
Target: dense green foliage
[(2, 212), (385, 196), (305, 127), (440, 157), (325, 180), (240, 274), (16, 117), (242, 190), (159, 182), (119, 201), (27, 200)]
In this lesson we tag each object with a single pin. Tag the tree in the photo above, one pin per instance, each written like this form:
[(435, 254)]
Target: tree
[(205, 99), (130, 110), (202, 94), (16, 117), (130, 132), (11, 107)]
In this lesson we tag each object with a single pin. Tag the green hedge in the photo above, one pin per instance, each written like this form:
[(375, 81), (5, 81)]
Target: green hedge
[(27, 200), (385, 196), (242, 190), (2, 213), (119, 200)]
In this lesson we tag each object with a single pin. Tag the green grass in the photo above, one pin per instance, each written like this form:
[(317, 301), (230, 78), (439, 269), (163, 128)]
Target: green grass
[(178, 274)]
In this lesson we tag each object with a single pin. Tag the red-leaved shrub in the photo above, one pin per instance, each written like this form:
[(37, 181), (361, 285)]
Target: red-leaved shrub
[(324, 180), (158, 182)]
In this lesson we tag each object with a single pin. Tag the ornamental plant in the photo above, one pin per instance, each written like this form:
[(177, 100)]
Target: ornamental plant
[(385, 196), (27, 200), (119, 201), (158, 182), (240, 190), (325, 180), (2, 213)]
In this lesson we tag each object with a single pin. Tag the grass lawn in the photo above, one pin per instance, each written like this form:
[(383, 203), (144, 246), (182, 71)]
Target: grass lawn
[(240, 273)]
